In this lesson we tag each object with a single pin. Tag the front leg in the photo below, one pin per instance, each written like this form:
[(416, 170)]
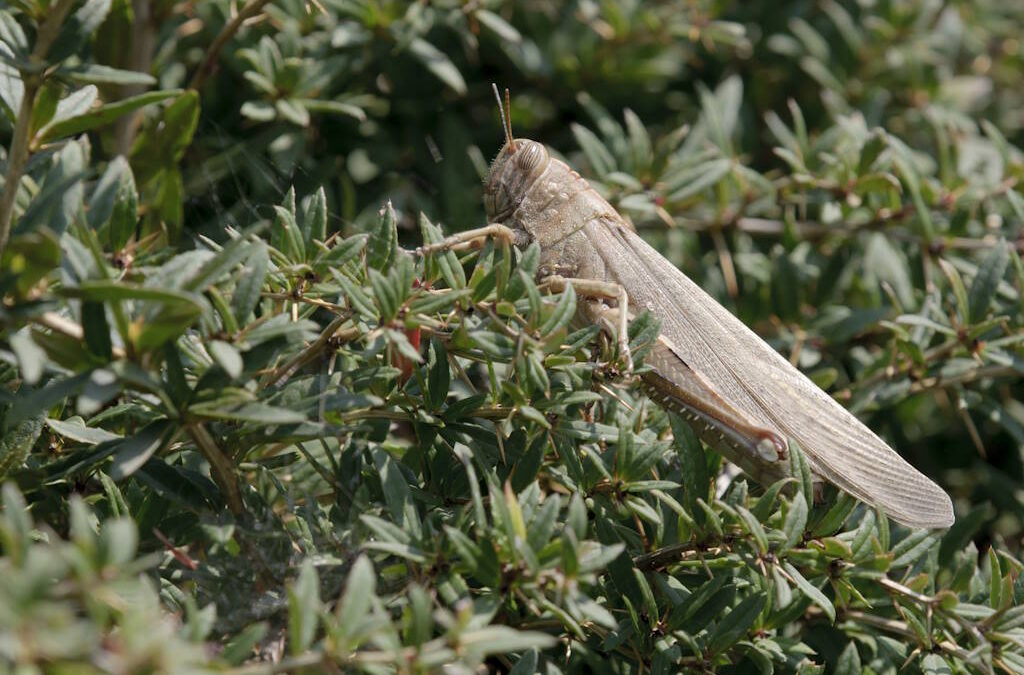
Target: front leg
[(471, 239), (616, 318)]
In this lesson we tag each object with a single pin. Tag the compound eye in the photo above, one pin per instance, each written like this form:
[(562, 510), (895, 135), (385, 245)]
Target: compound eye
[(530, 156)]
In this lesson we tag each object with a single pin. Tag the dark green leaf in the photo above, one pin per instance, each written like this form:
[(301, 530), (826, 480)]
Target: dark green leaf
[(250, 282), (382, 246), (986, 281), (734, 625), (131, 453), (438, 63), (103, 115), (303, 608)]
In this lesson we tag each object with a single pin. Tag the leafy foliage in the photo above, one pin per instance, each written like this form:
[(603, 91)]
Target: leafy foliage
[(247, 426)]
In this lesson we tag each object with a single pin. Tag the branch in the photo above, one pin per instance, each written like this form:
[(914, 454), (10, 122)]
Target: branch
[(67, 327), (213, 51), (221, 468), (17, 156)]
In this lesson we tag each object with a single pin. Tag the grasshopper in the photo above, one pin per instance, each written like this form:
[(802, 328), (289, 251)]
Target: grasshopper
[(740, 395)]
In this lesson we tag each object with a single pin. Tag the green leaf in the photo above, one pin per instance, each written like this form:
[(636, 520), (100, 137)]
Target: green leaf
[(32, 359), (502, 640), (564, 311), (115, 203), (227, 357), (754, 527), (258, 413), (96, 330), (78, 28), (289, 237), (601, 160), (849, 661), (438, 375), (995, 577), (438, 63), (103, 115), (95, 73), (639, 140), (709, 174), (382, 245), (119, 539), (801, 471), (796, 521), (58, 203), (105, 291), (693, 461), (225, 260), (16, 444), (303, 608), (766, 503), (345, 250), (811, 591), (75, 429), (833, 520), (912, 547), (786, 289), (447, 262), (240, 647), (250, 282), (46, 105), (357, 599), (132, 452), (734, 625), (397, 493), (293, 111), (527, 663), (986, 281), (314, 218), (501, 28)]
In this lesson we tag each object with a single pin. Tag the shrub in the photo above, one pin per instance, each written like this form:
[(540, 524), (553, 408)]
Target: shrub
[(247, 427)]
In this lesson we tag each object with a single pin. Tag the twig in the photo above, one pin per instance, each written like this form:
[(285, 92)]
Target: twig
[(17, 156), (725, 261), (143, 42), (309, 353), (213, 51), (663, 557), (221, 468), (900, 589), (68, 328)]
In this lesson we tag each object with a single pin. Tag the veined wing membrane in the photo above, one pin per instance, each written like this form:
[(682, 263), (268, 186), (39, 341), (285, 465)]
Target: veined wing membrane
[(759, 382)]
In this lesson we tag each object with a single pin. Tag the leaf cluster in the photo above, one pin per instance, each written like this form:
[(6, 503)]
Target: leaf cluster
[(247, 426)]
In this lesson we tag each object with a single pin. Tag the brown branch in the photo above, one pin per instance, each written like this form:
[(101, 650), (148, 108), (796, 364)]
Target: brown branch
[(280, 375), (226, 33), (221, 468), (68, 328), (663, 557), (143, 43), (17, 156)]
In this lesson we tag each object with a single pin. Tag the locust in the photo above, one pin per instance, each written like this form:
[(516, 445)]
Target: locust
[(740, 395)]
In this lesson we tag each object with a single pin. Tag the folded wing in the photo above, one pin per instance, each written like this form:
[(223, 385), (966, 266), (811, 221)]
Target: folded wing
[(756, 380)]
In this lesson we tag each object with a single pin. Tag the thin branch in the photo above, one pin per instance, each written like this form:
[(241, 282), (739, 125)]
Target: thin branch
[(68, 328), (664, 557), (309, 353), (221, 468), (213, 51), (17, 156)]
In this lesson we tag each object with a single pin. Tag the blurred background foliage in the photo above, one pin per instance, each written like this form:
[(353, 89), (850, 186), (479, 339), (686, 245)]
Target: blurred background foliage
[(246, 429)]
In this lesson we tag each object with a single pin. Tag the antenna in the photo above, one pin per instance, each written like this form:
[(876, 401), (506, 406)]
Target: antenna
[(506, 121)]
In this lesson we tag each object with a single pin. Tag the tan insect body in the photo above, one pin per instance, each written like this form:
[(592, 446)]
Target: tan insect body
[(743, 397)]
